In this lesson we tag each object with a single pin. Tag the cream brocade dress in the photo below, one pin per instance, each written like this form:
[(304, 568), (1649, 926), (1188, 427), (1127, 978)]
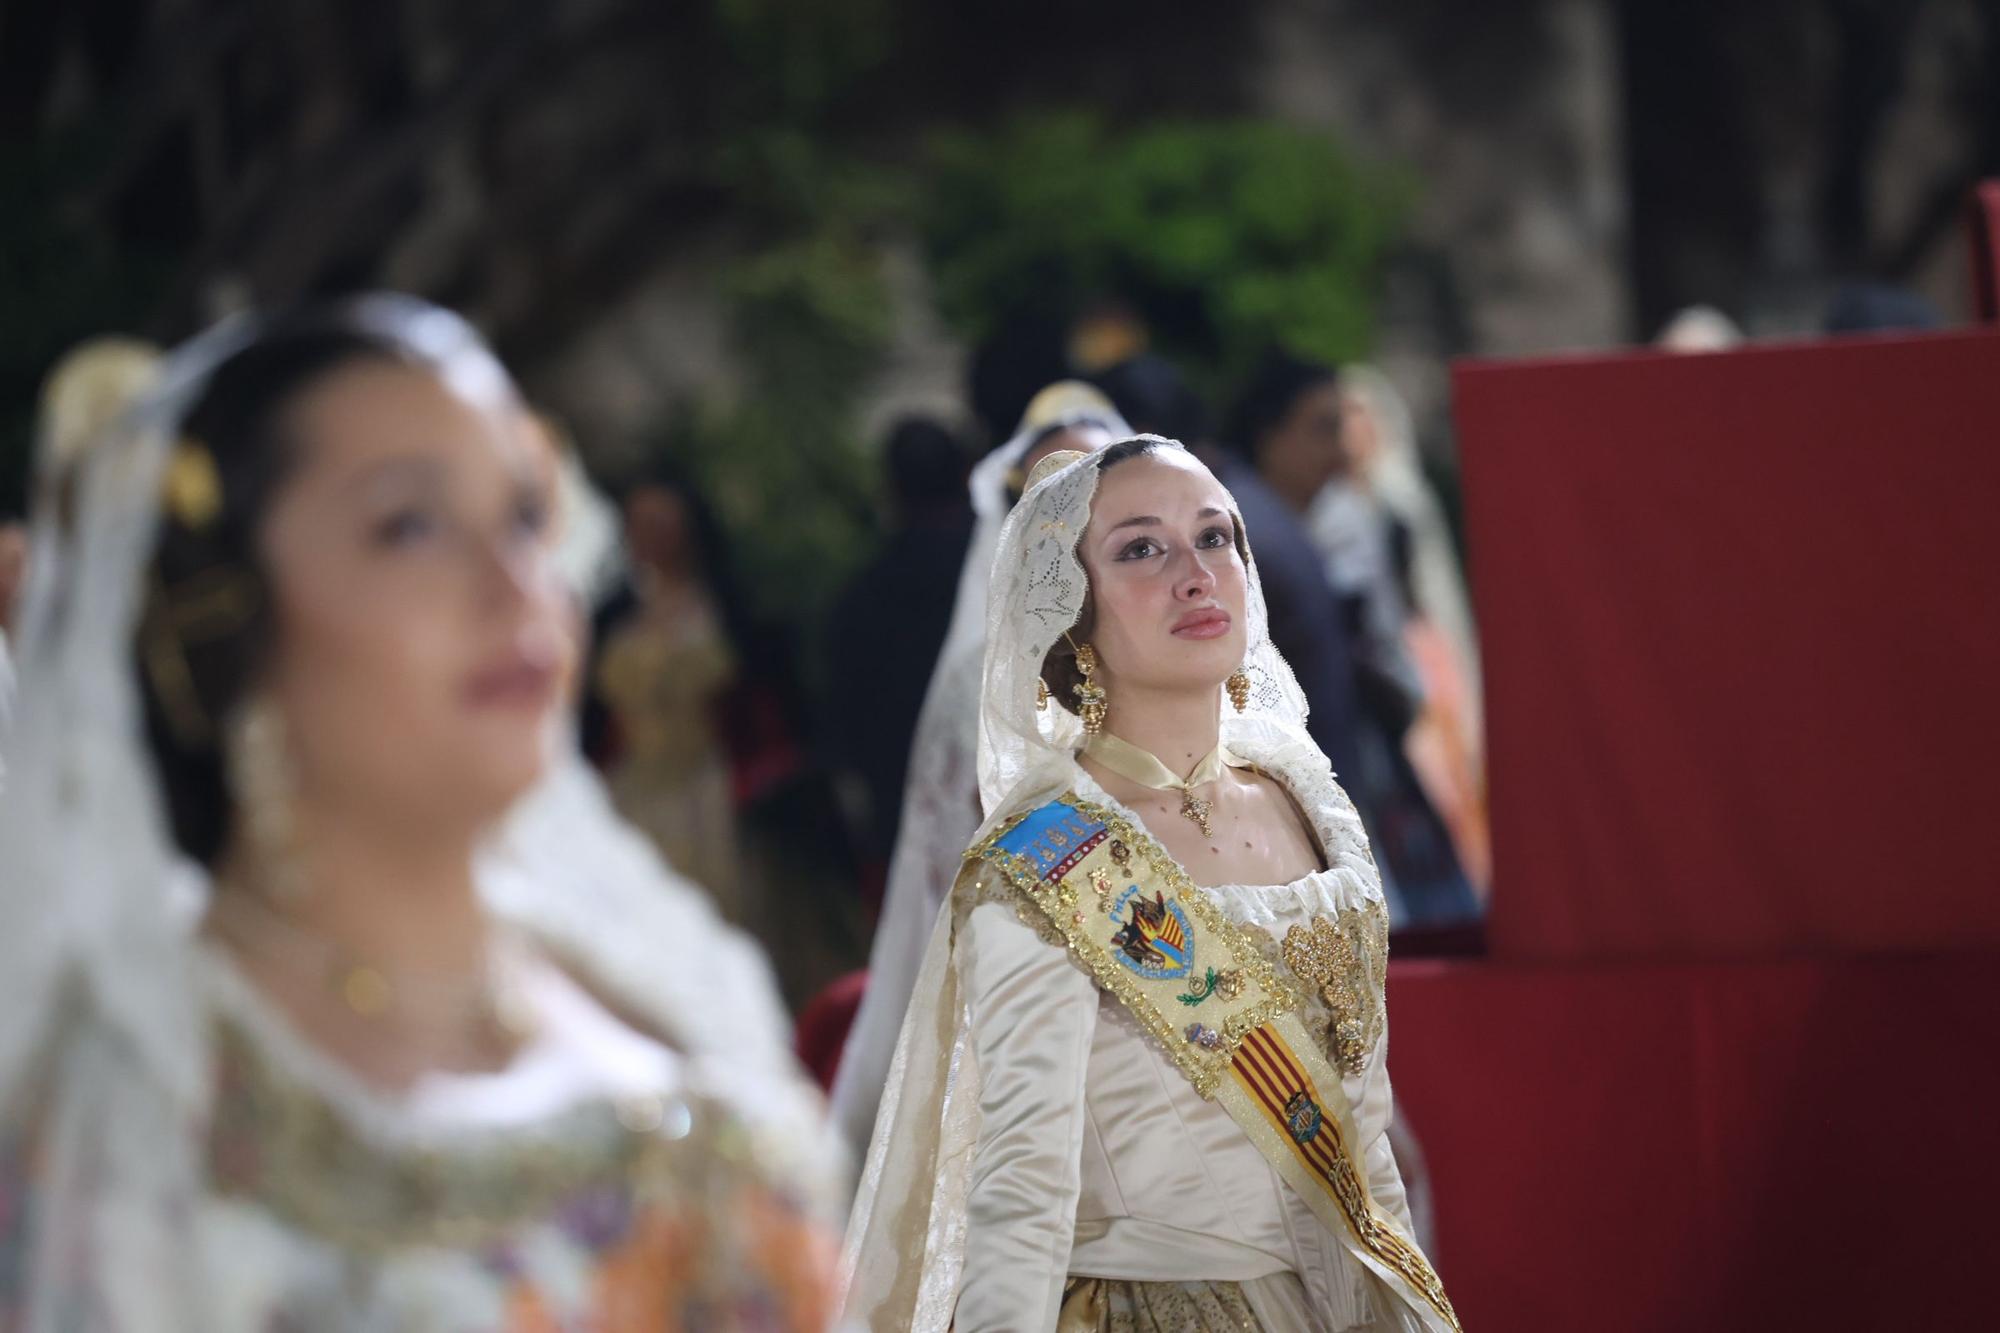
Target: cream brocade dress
[(695, 1196), (1097, 1159)]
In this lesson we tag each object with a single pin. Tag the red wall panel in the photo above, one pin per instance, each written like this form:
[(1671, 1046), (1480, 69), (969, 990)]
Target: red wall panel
[(1741, 626)]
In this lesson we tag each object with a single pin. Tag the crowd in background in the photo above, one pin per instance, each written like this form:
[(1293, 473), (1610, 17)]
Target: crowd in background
[(771, 763)]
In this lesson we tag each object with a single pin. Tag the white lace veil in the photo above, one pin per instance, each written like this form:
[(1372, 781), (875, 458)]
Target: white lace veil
[(941, 793), (905, 1240), (996, 477), (97, 904), (84, 886)]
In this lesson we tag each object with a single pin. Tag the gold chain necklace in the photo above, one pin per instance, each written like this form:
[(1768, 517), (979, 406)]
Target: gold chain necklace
[(374, 992), (1144, 767)]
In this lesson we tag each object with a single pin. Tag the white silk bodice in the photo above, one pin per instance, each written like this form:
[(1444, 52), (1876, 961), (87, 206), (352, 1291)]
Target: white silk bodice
[(1097, 1158)]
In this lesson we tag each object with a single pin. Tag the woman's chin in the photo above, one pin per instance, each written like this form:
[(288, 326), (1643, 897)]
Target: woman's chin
[(1200, 663), (494, 778)]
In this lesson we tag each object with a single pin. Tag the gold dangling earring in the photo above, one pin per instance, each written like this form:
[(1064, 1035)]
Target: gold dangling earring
[(1041, 695), (1238, 685), (1091, 703), (263, 784)]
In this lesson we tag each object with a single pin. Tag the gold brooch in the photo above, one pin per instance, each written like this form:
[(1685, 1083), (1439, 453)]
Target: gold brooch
[(1346, 963), (1102, 883)]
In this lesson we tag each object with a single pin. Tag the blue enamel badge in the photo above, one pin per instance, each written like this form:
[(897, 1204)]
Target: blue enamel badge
[(1053, 838)]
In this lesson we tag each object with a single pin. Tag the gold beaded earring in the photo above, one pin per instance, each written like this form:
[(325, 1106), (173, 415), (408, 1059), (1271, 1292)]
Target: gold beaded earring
[(263, 784), (1041, 695), (1091, 702), (1238, 686)]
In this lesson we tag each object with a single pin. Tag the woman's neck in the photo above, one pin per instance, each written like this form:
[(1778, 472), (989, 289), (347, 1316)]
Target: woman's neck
[(1179, 728), (397, 897)]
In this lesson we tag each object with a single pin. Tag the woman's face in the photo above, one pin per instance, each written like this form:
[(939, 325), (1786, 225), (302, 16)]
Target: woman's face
[(1360, 441), (1303, 452), (657, 530), (13, 568), (422, 640), (1166, 577)]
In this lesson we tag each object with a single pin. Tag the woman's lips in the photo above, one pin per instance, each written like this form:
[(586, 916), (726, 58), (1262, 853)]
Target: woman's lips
[(1209, 623), (517, 683)]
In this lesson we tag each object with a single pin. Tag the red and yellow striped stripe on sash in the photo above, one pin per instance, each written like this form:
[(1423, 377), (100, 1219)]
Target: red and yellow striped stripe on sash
[(1265, 1067)]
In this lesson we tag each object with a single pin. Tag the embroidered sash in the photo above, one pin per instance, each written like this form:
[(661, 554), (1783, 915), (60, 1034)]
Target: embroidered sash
[(1224, 1015)]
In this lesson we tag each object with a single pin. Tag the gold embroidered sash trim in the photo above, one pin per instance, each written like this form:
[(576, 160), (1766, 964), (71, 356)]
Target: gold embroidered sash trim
[(1146, 933)]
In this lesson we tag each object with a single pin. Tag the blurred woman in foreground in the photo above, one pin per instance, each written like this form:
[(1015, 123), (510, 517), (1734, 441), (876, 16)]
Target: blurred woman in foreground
[(336, 997)]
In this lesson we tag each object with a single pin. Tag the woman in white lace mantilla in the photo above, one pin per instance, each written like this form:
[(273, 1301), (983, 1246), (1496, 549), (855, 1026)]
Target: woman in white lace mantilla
[(336, 997), (941, 798), (1142, 1084)]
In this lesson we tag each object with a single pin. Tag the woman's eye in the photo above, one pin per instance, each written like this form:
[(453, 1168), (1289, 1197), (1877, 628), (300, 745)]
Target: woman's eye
[(1140, 549), (1214, 538), (405, 526), (531, 515)]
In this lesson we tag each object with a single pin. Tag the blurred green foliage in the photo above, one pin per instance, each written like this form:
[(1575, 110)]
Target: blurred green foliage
[(780, 458), (1225, 235), (790, 478)]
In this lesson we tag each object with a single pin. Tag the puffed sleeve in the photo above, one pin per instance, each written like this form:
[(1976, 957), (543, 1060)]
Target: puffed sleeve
[(1372, 1116), (1033, 1014)]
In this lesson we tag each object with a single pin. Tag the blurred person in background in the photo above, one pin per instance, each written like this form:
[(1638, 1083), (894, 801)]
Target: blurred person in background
[(1444, 743), (941, 800), (892, 617), (1699, 328), (665, 662), (1880, 307), (13, 568), (1287, 424), (13, 572), (337, 997)]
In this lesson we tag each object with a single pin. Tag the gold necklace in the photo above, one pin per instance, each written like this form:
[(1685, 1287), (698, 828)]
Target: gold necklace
[(1144, 767), (375, 992)]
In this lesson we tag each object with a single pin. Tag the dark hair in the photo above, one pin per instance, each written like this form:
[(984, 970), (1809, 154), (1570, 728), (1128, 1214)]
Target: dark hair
[(925, 462), (1059, 670), (1268, 397), (1150, 392), (207, 626)]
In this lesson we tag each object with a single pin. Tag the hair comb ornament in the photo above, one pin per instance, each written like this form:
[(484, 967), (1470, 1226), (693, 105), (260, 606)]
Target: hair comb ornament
[(192, 488)]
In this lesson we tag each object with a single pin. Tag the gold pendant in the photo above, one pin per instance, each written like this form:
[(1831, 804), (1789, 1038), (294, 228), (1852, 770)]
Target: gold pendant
[(1195, 808)]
